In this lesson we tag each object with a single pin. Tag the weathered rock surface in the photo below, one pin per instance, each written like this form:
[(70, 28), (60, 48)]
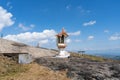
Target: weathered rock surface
[(8, 46), (83, 69)]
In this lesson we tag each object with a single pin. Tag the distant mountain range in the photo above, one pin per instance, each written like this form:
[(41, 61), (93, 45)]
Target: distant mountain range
[(112, 53), (115, 56)]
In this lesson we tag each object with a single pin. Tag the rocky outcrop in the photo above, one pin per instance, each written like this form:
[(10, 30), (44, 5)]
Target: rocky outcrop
[(8, 46), (83, 69)]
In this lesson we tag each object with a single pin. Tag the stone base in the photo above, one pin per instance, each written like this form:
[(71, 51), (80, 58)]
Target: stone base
[(63, 54)]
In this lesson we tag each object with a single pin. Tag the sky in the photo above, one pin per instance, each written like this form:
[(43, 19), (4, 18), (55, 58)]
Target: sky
[(92, 25)]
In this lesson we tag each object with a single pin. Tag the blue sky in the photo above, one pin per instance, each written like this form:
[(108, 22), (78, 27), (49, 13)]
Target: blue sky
[(91, 24)]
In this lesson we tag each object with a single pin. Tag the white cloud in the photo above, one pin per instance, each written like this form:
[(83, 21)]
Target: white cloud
[(82, 10), (90, 23), (9, 5), (77, 40), (42, 42), (25, 28), (28, 37), (85, 49), (115, 37), (90, 37), (32, 25), (5, 18), (68, 40), (68, 7), (74, 33), (46, 37), (106, 31)]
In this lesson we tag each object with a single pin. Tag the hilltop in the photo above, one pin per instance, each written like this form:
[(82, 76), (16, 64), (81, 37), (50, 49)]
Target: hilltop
[(46, 67), (8, 46)]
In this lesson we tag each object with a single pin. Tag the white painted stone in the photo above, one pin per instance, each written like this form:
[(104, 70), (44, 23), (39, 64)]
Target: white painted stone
[(63, 54), (24, 58)]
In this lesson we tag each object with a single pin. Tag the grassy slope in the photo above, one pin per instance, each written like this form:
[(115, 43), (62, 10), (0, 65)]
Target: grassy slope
[(92, 57), (10, 70)]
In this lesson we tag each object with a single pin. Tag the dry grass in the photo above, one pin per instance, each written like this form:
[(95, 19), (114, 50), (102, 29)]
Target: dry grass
[(91, 57), (37, 72), (10, 70), (10, 67)]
